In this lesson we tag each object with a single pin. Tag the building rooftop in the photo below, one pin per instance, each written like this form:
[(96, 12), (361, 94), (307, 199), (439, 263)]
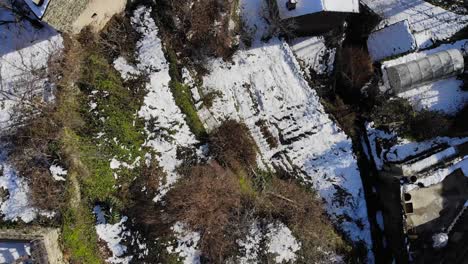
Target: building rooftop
[(38, 7), (305, 7)]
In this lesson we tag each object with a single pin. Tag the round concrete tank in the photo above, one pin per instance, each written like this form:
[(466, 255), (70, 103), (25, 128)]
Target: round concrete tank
[(440, 65)]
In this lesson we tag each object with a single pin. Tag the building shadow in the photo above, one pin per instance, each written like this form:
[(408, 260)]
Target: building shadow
[(22, 31)]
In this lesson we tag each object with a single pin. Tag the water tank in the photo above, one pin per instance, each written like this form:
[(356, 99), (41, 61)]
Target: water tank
[(437, 66)]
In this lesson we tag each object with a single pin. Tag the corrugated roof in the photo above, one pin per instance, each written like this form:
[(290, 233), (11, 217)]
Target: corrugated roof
[(38, 10)]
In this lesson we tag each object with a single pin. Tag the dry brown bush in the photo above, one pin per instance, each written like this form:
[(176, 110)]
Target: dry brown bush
[(34, 149), (202, 27), (233, 146), (118, 38), (210, 202), (303, 213), (356, 67)]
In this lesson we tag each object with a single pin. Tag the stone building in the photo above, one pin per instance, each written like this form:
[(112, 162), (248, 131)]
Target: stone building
[(73, 15)]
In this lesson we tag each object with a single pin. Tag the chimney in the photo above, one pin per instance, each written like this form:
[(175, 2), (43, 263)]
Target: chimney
[(291, 4)]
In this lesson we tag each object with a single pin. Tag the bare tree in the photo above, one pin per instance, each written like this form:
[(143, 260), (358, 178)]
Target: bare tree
[(29, 90)]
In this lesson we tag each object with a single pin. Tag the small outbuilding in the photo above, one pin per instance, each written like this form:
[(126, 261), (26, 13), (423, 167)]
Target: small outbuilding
[(315, 16), (73, 15), (393, 40)]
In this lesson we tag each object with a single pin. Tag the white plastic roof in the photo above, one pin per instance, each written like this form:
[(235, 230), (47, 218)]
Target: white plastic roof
[(39, 11), (305, 7)]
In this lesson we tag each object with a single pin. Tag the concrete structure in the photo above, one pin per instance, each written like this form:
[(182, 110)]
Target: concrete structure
[(437, 66), (315, 16), (42, 242), (424, 196), (73, 15)]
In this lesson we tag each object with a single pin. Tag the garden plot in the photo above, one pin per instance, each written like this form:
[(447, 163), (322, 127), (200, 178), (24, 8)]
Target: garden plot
[(429, 23), (264, 83), (443, 95), (165, 123)]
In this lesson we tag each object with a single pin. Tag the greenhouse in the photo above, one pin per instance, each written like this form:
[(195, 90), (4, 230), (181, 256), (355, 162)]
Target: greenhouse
[(437, 66)]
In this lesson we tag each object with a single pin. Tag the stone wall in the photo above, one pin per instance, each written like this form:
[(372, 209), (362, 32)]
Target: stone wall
[(61, 14), (72, 16)]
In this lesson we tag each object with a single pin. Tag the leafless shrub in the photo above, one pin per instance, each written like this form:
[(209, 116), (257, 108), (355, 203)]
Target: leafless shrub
[(203, 27), (356, 67), (270, 138), (298, 208), (233, 146), (118, 38), (209, 201), (277, 25)]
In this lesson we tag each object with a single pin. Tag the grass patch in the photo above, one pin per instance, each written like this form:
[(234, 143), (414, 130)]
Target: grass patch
[(79, 235), (112, 130), (183, 97)]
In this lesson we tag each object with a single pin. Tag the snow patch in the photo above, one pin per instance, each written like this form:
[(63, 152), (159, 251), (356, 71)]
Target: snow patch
[(17, 205), (113, 236), (282, 243), (250, 246), (58, 172), (187, 242), (126, 70)]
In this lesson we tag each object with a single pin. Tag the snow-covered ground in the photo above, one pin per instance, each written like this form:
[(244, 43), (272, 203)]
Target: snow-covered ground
[(429, 23), (166, 125), (281, 243), (444, 95), (16, 206), (113, 236), (187, 244), (265, 82), (24, 53)]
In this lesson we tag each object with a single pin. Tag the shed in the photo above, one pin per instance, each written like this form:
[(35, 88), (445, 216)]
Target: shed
[(73, 15), (434, 67), (315, 16), (390, 41)]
